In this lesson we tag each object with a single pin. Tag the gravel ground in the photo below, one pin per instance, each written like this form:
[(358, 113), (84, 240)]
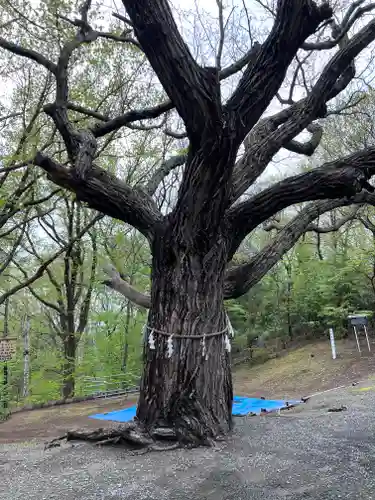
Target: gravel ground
[(305, 453)]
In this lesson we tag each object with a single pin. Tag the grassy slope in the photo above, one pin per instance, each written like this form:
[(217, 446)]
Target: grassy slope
[(304, 371)]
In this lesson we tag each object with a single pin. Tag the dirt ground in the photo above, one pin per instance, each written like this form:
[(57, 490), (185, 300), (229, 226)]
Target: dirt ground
[(300, 373), (306, 453), (52, 422)]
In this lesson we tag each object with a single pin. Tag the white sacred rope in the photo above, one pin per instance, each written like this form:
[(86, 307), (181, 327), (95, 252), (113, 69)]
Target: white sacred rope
[(227, 332)]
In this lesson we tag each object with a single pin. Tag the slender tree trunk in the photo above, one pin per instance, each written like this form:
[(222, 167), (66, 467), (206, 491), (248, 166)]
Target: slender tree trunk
[(26, 357), (68, 384), (191, 390), (125, 348), (288, 268)]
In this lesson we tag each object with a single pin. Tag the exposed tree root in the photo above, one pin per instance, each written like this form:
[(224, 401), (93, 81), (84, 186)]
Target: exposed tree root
[(188, 434), (186, 423), (130, 435)]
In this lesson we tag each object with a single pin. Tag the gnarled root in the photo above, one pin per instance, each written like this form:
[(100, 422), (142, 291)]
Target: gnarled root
[(131, 435), (186, 423)]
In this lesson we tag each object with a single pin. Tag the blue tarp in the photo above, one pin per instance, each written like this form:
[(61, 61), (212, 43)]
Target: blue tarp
[(125, 415), (246, 406), (241, 406)]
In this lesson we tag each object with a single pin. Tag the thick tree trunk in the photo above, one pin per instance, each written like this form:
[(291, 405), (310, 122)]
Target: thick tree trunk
[(191, 390), (68, 384)]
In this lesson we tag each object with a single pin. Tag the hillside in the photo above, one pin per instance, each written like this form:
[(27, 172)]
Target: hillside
[(305, 370)]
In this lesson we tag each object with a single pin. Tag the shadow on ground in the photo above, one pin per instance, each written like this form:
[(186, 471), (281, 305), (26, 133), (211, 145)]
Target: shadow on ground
[(306, 453)]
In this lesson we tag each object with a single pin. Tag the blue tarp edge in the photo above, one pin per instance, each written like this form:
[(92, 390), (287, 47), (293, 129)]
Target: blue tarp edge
[(242, 406)]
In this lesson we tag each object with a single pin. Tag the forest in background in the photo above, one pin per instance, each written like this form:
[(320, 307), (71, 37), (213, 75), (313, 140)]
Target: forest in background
[(54, 297)]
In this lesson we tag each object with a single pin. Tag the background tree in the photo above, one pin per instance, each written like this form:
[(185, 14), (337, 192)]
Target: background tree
[(72, 277)]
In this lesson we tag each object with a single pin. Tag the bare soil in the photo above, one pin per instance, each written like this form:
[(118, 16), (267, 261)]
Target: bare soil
[(299, 373), (55, 421)]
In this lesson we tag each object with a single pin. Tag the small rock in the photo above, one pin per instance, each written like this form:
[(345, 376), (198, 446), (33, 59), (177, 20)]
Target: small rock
[(335, 410)]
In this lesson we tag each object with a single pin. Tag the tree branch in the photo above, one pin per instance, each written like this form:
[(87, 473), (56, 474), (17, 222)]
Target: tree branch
[(341, 30), (101, 129), (119, 285), (315, 228), (104, 192), (307, 148), (275, 132), (29, 53), (194, 90), (85, 308), (43, 267), (295, 21), (333, 79), (240, 279), (367, 223), (344, 177), (163, 171)]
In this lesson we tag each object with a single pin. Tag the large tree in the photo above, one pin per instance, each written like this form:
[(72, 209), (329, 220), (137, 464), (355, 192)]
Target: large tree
[(187, 383)]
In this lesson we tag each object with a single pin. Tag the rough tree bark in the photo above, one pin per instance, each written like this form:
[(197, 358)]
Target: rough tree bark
[(68, 367), (192, 390), (189, 391)]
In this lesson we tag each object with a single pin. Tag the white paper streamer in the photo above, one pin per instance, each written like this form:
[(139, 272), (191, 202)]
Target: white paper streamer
[(170, 346), (151, 340), (230, 327), (144, 332), (204, 348), (228, 347)]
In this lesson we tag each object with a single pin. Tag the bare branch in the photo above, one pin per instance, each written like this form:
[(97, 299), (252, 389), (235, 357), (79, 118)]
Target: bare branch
[(43, 267), (239, 279), (122, 18), (341, 30), (295, 21), (8, 117), (175, 135), (29, 53), (222, 34), (107, 194), (316, 228), (102, 129), (163, 171), (307, 148), (275, 132), (87, 112), (344, 177), (119, 285)]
